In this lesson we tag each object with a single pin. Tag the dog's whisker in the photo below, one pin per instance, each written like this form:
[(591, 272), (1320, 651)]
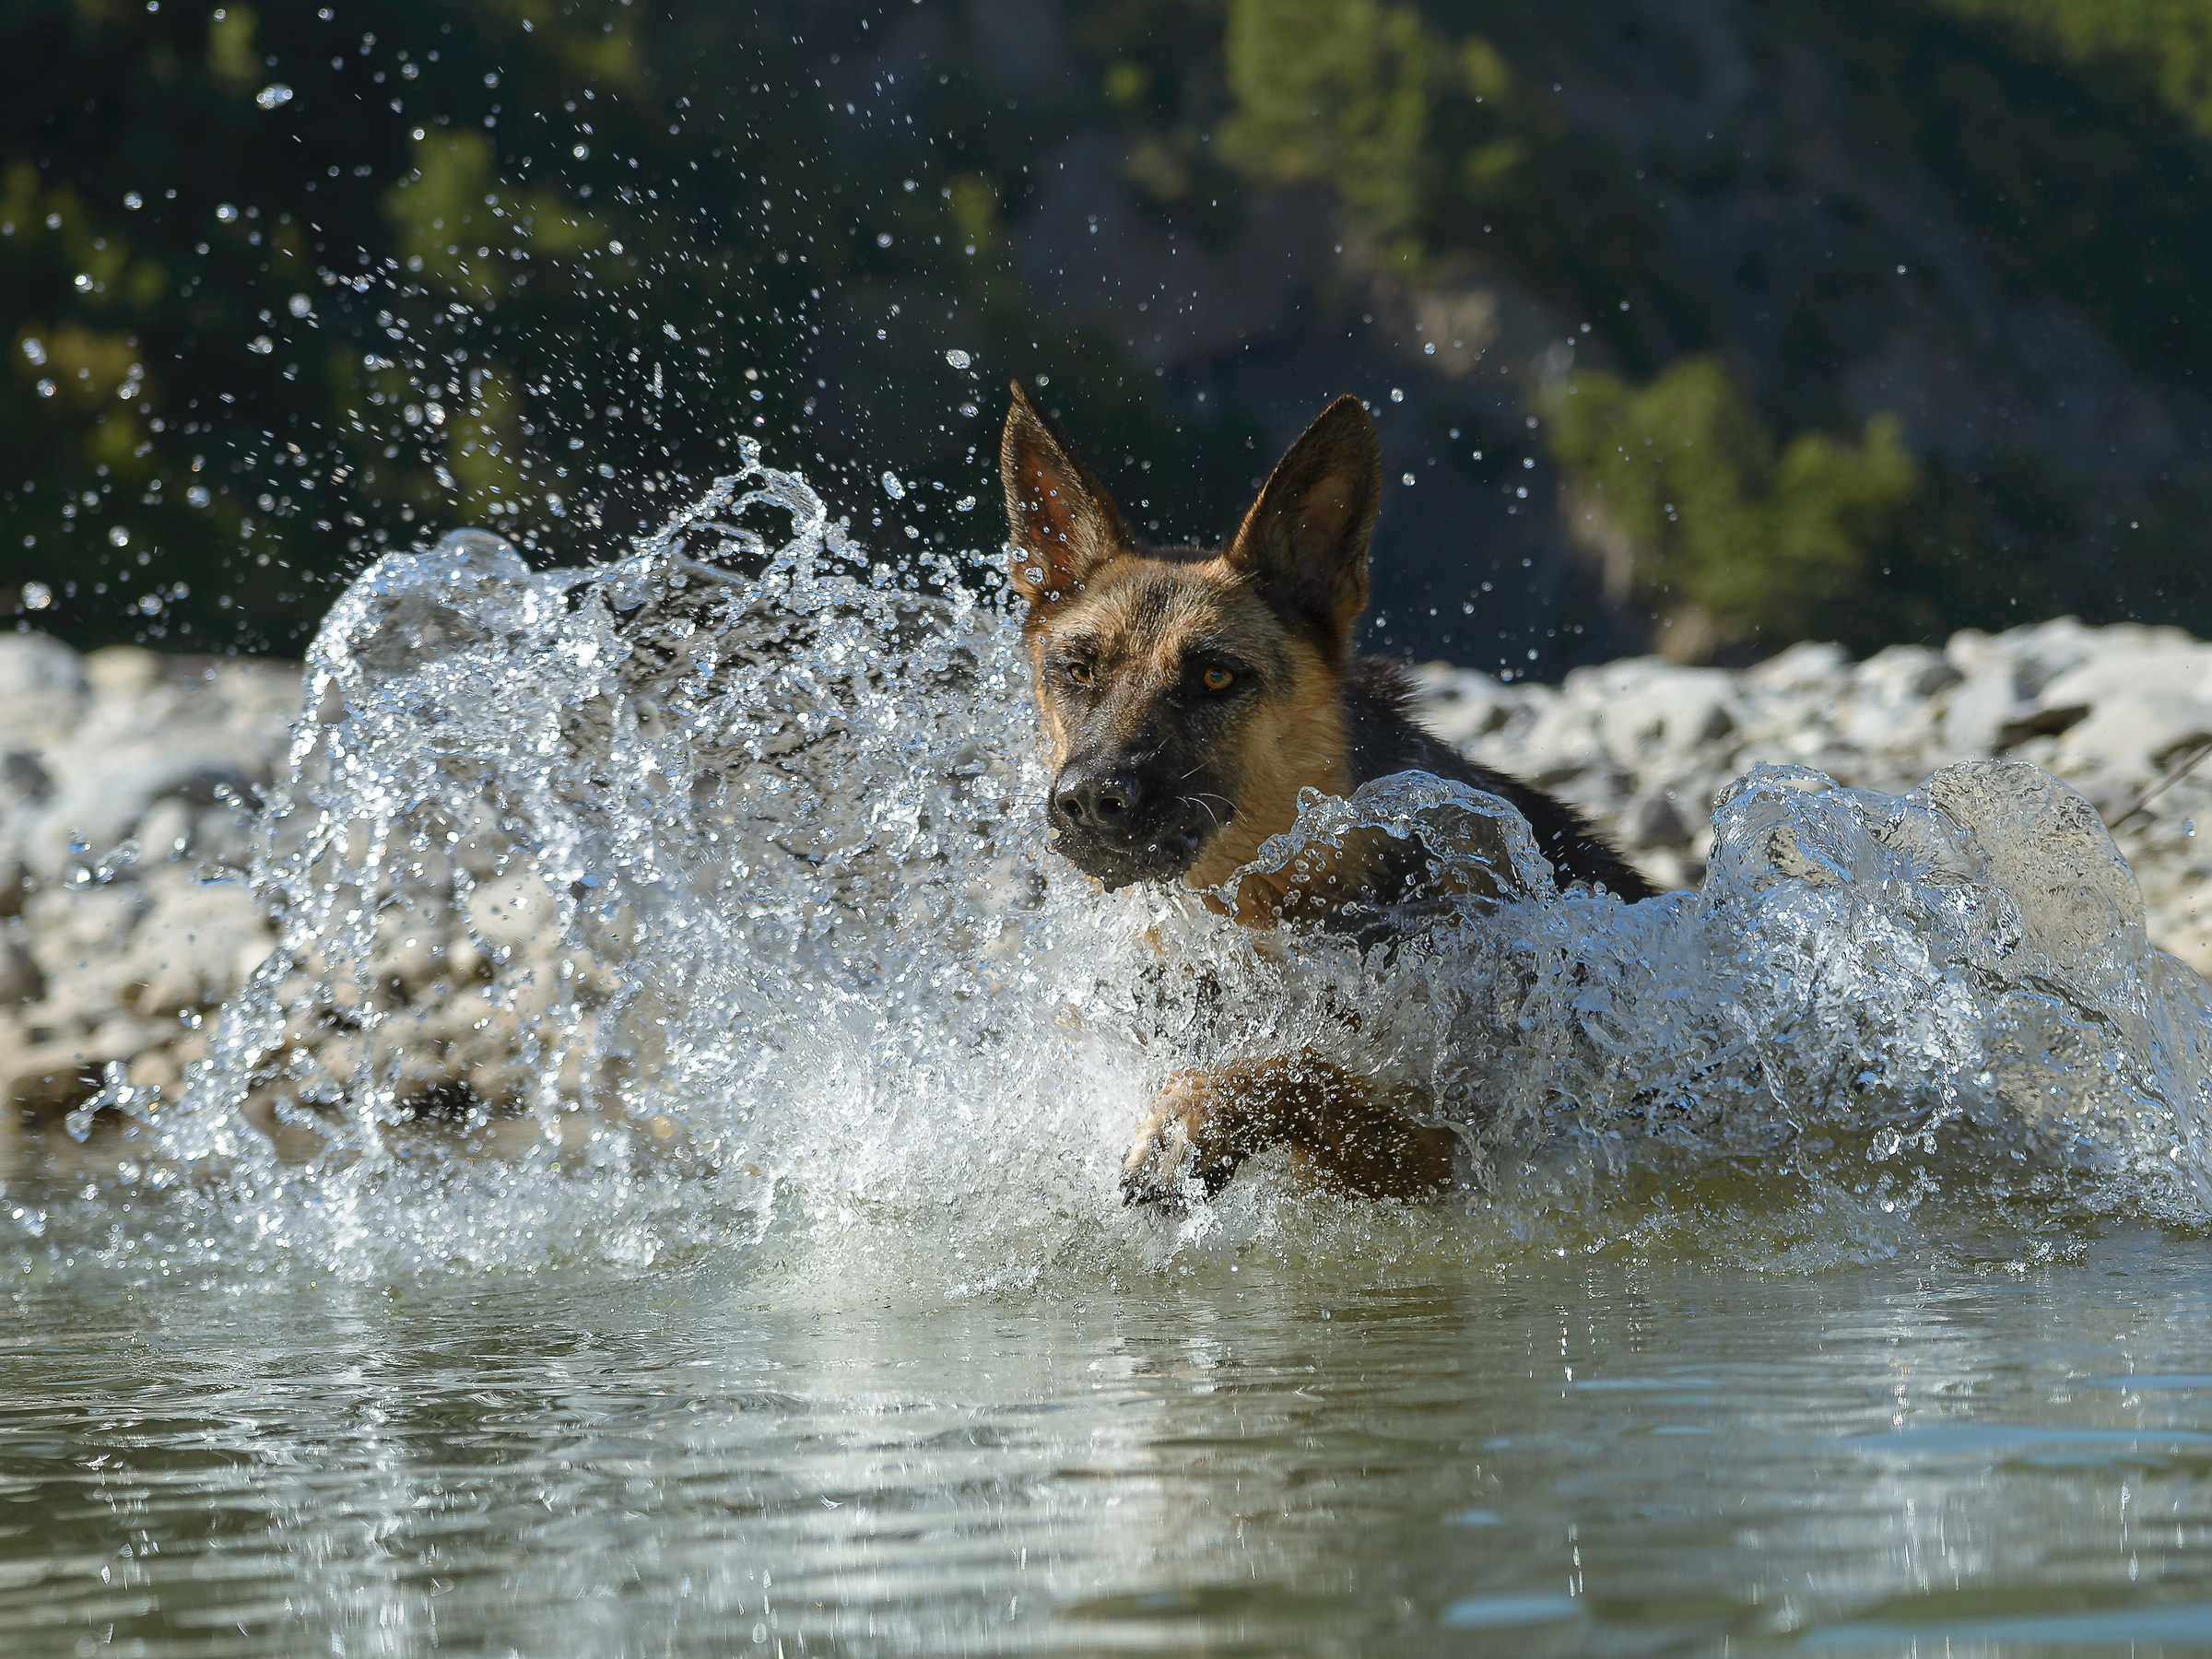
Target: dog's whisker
[(1203, 797)]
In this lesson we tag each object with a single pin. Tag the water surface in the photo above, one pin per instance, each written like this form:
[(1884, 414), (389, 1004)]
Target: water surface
[(1559, 1456), (659, 1197)]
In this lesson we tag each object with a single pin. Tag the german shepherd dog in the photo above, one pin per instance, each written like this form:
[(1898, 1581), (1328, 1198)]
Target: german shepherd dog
[(1187, 695)]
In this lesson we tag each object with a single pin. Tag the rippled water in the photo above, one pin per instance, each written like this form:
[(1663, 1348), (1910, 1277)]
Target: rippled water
[(659, 1196), (1558, 1457)]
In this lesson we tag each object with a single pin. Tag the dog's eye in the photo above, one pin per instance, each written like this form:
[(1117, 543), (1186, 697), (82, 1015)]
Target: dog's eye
[(1079, 673), (1219, 679)]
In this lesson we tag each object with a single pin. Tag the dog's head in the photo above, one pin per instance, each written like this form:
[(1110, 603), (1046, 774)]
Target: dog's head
[(1188, 696)]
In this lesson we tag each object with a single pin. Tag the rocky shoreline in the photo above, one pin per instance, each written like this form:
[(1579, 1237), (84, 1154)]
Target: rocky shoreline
[(128, 782), (2122, 713)]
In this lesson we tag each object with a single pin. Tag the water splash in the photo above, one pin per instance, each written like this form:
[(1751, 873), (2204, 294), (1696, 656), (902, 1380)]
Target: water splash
[(698, 901)]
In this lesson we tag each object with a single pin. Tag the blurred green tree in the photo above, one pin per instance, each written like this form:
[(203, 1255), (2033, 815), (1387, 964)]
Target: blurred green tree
[(287, 287), (2164, 44), (1336, 90), (1727, 534), (281, 288)]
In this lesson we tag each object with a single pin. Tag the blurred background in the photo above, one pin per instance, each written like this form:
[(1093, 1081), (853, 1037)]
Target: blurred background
[(1697, 326)]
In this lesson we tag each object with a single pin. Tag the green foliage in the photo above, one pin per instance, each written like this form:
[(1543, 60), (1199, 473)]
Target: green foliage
[(2088, 183), (281, 291), (2069, 130), (453, 203), (2166, 43), (1335, 90), (232, 57), (1435, 145), (1759, 540), (287, 287), (1429, 143)]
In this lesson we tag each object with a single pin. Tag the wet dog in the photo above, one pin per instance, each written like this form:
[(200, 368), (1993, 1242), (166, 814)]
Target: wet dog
[(1187, 695)]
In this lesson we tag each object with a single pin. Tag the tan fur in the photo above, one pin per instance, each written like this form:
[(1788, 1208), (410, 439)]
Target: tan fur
[(1138, 617), (1292, 744), (1289, 744), (1343, 1134)]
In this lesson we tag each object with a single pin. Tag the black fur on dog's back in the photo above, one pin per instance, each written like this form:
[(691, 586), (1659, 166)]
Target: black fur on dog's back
[(1383, 737)]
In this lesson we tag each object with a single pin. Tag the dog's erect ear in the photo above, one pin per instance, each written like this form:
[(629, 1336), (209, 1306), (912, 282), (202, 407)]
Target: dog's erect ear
[(1305, 539), (1063, 523)]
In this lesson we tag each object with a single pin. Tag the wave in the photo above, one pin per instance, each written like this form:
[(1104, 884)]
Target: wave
[(695, 905)]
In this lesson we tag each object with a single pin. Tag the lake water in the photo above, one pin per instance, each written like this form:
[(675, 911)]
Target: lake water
[(659, 1196), (1579, 1455)]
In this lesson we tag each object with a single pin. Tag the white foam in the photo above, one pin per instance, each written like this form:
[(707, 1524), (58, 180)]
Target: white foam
[(744, 829)]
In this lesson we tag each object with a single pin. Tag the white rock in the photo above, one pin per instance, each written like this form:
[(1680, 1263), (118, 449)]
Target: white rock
[(1655, 821), (43, 689), (98, 806), (20, 980), (166, 830), (2040, 653), (2136, 737), (1968, 651), (513, 910), (1900, 673), (23, 778), (1806, 665), (1660, 708), (188, 950), (121, 670), (1877, 723), (1992, 696), (2181, 672), (1462, 704), (73, 926), (1561, 742), (79, 939)]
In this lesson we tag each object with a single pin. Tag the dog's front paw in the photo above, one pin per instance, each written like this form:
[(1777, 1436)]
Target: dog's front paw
[(1179, 1147)]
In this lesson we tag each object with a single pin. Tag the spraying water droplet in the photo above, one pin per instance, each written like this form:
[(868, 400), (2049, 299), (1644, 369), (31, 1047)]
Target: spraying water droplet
[(892, 488), (726, 837), (958, 358)]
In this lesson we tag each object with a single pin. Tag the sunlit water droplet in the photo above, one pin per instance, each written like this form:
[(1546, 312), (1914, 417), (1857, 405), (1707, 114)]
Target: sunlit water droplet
[(698, 901)]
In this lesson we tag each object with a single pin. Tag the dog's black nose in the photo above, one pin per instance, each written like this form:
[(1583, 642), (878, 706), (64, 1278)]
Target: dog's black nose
[(1098, 798)]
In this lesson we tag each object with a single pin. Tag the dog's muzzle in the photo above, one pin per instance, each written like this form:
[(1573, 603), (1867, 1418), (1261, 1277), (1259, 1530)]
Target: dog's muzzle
[(1123, 824)]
